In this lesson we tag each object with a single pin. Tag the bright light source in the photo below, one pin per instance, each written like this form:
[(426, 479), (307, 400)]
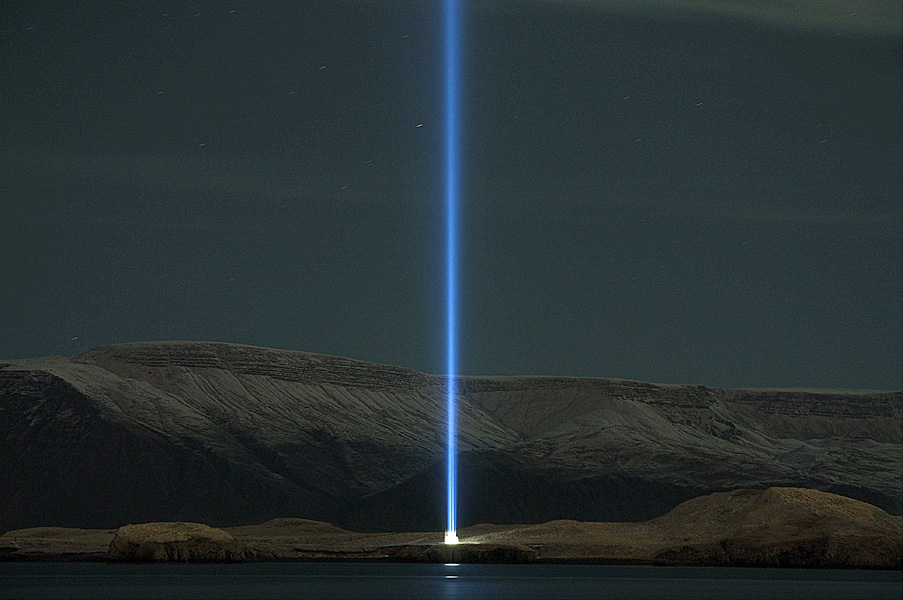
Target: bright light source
[(451, 214)]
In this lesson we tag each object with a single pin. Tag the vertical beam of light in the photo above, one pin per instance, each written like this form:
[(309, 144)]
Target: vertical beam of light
[(451, 251)]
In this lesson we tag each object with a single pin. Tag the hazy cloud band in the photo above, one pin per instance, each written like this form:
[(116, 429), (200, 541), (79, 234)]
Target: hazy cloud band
[(883, 17)]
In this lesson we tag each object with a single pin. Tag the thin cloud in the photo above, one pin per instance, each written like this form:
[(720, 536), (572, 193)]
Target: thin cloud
[(217, 174), (881, 17), (195, 192), (728, 205)]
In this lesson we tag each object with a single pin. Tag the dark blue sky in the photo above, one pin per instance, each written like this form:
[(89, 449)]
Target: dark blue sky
[(655, 190)]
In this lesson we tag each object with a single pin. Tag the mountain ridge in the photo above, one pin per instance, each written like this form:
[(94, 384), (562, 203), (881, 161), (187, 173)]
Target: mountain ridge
[(266, 431)]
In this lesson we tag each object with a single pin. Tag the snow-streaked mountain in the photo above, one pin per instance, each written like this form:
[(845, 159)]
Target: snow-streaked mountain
[(228, 434)]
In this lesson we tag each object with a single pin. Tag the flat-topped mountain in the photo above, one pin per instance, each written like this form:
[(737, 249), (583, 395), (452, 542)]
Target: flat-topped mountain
[(226, 434)]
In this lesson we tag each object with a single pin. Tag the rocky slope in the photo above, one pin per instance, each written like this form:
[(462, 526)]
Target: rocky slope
[(226, 434)]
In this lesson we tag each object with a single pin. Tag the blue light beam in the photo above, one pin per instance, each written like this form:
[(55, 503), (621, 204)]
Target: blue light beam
[(452, 67)]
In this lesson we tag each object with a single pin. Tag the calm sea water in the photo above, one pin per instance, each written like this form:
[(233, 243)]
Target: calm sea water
[(409, 581)]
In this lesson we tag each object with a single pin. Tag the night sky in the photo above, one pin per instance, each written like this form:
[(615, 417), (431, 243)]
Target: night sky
[(667, 191)]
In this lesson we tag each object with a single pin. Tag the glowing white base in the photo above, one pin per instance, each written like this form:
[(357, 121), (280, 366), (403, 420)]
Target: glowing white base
[(451, 537)]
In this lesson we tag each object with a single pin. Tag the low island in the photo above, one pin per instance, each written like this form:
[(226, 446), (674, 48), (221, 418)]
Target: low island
[(778, 526)]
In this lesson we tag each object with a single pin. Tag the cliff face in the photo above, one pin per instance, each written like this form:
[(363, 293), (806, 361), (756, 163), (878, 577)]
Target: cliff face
[(227, 434)]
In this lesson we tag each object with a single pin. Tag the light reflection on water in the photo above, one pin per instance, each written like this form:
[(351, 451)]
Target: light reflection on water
[(414, 581)]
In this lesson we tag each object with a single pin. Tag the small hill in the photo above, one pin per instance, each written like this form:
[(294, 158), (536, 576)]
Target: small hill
[(173, 542), (784, 526)]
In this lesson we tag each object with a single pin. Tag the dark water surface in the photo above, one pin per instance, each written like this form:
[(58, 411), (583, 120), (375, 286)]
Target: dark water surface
[(409, 581)]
